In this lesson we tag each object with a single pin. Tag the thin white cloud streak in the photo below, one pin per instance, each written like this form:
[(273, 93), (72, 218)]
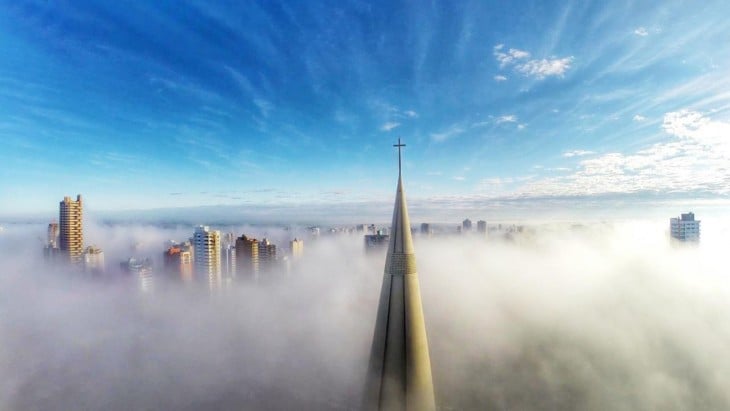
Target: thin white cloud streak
[(499, 78), (577, 153), (536, 68), (447, 134), (508, 118), (641, 31), (389, 126)]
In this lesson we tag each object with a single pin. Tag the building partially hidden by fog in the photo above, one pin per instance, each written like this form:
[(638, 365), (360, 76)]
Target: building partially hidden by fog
[(142, 271), (297, 248), (247, 257), (399, 374), (375, 242), (71, 236), (685, 228), (482, 227), (466, 225), (94, 260), (207, 254), (178, 261)]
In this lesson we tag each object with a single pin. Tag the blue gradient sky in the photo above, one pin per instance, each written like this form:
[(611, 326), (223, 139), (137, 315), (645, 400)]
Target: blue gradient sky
[(181, 104)]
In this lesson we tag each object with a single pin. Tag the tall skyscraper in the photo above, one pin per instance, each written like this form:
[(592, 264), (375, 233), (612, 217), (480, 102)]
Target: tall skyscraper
[(207, 245), (71, 238), (53, 235), (399, 375), (247, 257), (685, 228), (228, 258), (297, 248), (267, 254)]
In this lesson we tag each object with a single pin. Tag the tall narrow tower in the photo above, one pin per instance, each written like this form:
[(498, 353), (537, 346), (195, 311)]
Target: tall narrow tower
[(71, 237), (399, 375), (207, 246)]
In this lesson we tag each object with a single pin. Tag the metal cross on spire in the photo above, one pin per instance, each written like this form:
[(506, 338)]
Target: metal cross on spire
[(399, 145)]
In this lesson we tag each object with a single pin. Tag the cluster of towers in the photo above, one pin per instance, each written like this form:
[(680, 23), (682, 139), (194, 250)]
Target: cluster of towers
[(220, 258)]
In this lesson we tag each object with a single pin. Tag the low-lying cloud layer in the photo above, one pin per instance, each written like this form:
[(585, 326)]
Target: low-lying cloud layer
[(607, 317)]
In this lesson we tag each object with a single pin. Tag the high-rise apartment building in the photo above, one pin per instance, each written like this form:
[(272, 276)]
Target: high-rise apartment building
[(71, 236), (267, 254), (685, 228), (376, 242), (178, 261), (247, 257), (53, 235), (207, 246), (297, 248), (228, 259)]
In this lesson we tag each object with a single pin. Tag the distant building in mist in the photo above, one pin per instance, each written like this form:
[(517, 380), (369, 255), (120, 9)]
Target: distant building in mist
[(94, 260), (178, 261), (71, 236), (247, 257), (51, 252), (482, 227), (267, 254), (685, 228), (207, 255), (142, 271), (426, 229), (360, 228), (376, 242), (53, 235), (466, 225), (297, 248), (228, 259)]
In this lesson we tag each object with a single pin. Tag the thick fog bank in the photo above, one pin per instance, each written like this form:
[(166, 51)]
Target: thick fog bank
[(605, 317)]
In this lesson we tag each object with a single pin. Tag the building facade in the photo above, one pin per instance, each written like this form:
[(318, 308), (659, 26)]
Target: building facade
[(685, 228), (178, 261), (297, 248), (247, 257), (71, 236), (207, 254)]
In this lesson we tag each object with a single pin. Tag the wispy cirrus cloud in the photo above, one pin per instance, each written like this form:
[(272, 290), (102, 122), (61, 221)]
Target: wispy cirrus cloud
[(577, 153), (390, 125), (520, 61), (447, 134), (641, 31), (500, 78), (639, 118), (508, 118)]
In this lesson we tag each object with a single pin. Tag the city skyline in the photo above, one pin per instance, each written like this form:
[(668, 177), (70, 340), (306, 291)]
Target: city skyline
[(287, 106)]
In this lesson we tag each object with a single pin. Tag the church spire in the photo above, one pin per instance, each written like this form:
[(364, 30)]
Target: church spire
[(399, 375)]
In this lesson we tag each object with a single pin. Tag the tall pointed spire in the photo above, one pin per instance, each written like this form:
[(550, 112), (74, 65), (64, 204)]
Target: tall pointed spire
[(399, 375)]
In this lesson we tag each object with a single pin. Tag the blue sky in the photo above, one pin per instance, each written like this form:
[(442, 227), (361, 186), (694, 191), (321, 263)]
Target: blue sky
[(181, 104)]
